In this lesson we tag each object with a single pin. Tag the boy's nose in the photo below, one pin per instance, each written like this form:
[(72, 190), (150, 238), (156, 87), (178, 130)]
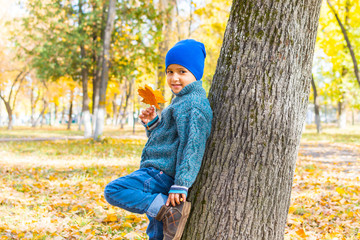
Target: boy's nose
[(176, 76)]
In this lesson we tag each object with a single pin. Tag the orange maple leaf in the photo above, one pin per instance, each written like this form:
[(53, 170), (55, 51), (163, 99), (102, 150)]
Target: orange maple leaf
[(150, 96)]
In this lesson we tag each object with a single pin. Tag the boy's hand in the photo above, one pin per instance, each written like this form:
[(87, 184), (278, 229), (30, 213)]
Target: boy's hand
[(175, 199), (148, 115)]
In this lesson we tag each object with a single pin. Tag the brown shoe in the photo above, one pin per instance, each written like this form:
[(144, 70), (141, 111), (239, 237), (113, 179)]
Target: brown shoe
[(174, 220)]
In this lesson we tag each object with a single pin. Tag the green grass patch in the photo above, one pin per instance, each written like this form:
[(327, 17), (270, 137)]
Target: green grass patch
[(85, 148), (333, 134)]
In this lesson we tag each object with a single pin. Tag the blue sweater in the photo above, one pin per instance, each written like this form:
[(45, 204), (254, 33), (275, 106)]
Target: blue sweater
[(176, 143)]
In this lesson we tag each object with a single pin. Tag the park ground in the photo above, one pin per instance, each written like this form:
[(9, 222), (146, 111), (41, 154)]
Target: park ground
[(53, 189)]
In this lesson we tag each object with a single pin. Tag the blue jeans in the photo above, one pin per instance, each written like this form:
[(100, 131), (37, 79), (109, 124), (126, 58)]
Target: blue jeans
[(143, 191)]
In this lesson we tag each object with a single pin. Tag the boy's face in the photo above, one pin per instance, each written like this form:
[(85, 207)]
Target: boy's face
[(178, 77)]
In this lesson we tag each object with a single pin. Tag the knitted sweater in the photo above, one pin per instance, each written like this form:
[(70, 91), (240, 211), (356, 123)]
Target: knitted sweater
[(176, 143)]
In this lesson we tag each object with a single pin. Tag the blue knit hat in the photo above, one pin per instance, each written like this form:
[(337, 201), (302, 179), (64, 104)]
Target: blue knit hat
[(189, 54)]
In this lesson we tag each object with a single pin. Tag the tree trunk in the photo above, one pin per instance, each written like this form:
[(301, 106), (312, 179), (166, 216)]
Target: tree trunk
[(9, 112), (167, 7), (56, 114), (100, 117), (86, 116), (63, 116), (115, 111), (316, 106), (259, 97), (344, 32), (127, 97), (99, 58), (85, 111), (70, 109), (341, 115)]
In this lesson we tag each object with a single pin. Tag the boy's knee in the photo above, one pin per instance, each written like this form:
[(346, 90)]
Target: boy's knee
[(109, 190)]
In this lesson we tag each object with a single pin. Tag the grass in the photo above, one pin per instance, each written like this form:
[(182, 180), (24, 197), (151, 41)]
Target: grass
[(331, 133), (62, 131), (54, 189)]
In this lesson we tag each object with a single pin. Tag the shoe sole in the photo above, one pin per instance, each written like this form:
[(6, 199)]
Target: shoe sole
[(185, 213)]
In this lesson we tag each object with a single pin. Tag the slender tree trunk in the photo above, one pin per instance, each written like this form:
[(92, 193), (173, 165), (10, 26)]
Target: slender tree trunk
[(85, 115), (63, 116), (115, 111), (85, 111), (99, 61), (9, 112), (12, 97), (350, 47), (56, 113), (41, 115), (70, 109), (126, 105), (316, 106), (100, 117), (259, 97), (190, 18), (120, 109), (167, 7), (341, 114), (326, 115)]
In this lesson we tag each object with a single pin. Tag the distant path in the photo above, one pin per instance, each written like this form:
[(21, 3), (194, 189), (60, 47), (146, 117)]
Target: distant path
[(340, 155), (66, 138)]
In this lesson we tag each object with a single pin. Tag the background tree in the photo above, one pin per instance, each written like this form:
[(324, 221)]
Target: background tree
[(259, 96), (337, 45)]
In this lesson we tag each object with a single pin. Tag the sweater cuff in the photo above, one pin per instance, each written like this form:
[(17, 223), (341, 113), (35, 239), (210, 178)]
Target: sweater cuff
[(179, 189), (152, 124)]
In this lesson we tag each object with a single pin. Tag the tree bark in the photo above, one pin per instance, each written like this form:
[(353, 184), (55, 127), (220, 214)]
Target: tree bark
[(70, 109), (316, 106), (167, 7), (350, 47), (128, 92), (10, 107), (98, 57), (85, 111), (100, 117), (9, 112), (341, 114), (259, 97), (115, 109)]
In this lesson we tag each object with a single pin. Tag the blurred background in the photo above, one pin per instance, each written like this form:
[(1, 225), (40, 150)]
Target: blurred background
[(52, 55)]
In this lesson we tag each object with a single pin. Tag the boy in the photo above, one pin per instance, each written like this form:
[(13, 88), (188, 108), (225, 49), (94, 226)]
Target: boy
[(172, 156)]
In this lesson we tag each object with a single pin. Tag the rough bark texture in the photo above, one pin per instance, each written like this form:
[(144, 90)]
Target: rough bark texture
[(316, 106), (259, 96)]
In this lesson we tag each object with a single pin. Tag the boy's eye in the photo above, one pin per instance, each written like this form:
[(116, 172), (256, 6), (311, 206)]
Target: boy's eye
[(183, 71)]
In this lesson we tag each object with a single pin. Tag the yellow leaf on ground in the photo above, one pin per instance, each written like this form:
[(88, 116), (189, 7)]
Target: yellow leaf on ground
[(301, 233), (110, 218), (127, 224), (340, 191), (292, 209)]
